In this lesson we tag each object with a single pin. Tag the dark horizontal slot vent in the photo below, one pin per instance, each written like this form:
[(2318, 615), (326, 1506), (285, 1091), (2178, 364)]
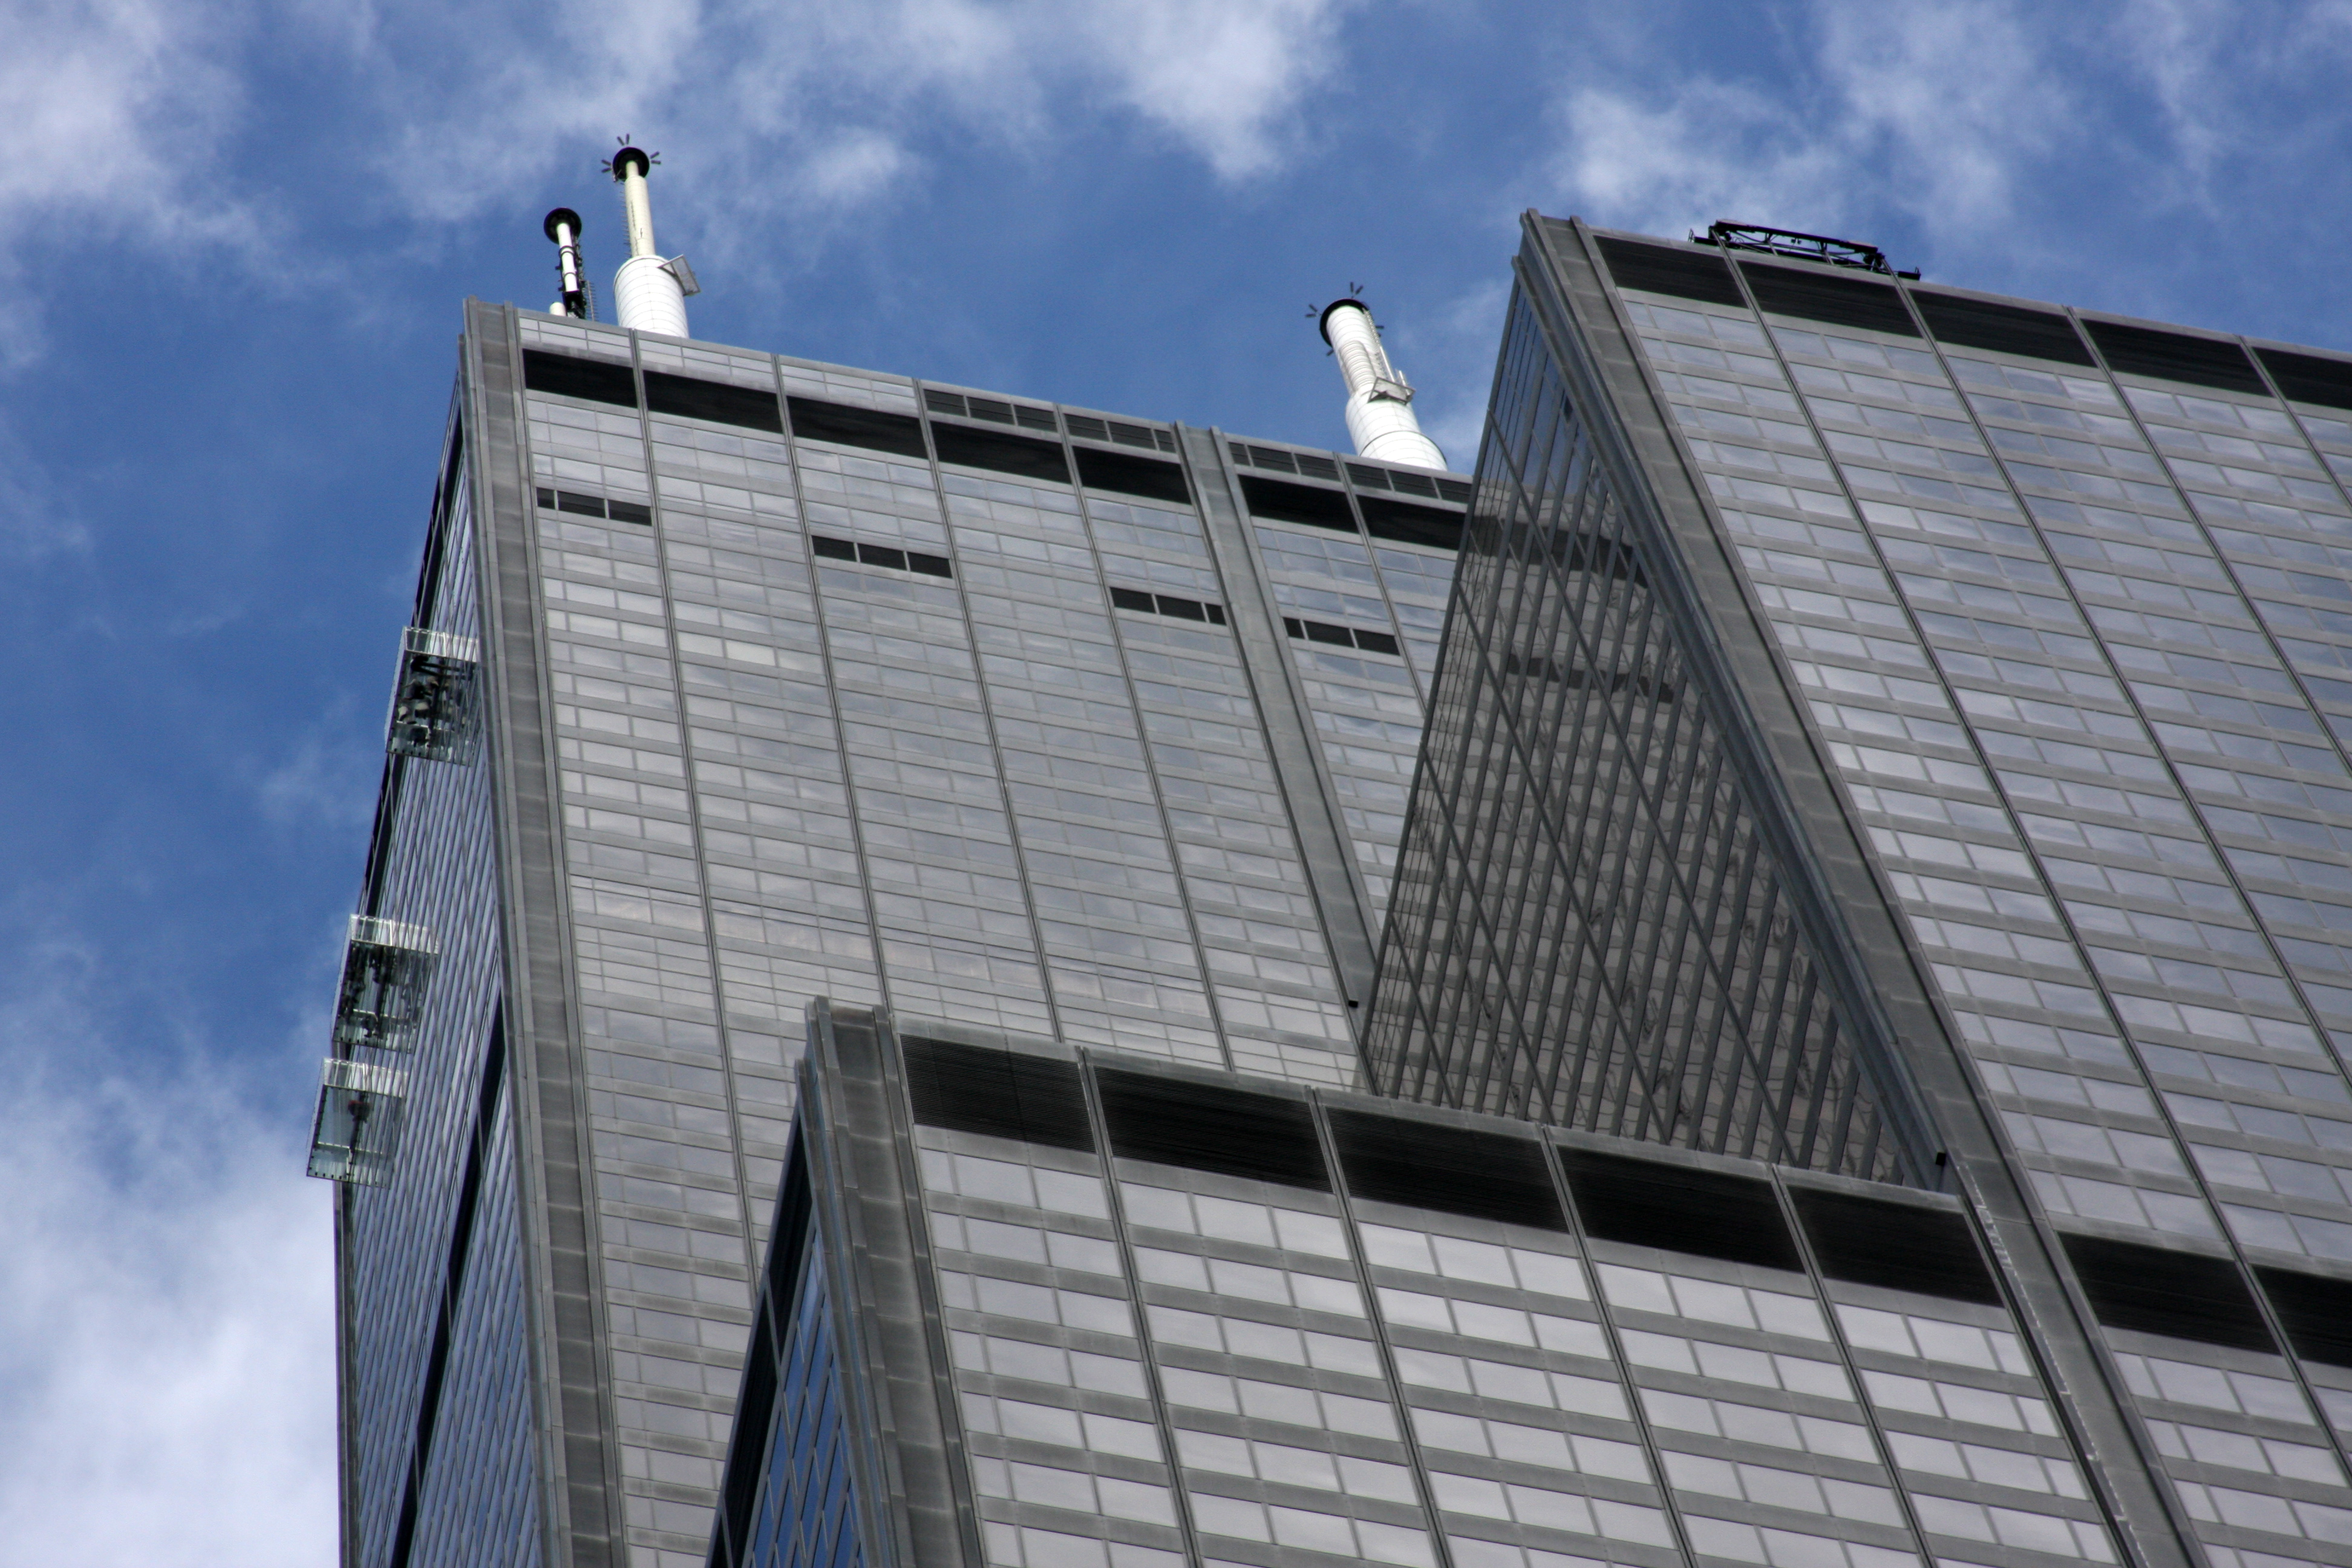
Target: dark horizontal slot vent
[(1002, 452), (990, 408), (1086, 429), (2175, 356), (1203, 1127), (689, 397), (2308, 378), (997, 1093), (1146, 477), (1272, 458), (1369, 477), (1340, 636), (598, 381), (891, 556), (2315, 1311), (1415, 484), (940, 402), (814, 420), (1657, 269), (596, 506), (2155, 1290), (1167, 604), (1297, 503), (1484, 1175), (1823, 295), (1896, 1247), (2003, 328), (1030, 418), (1317, 467), (1406, 523), (1454, 490), (1677, 1209), (1239, 453)]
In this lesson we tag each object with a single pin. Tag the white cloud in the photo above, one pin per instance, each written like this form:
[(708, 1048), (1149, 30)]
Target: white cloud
[(166, 1352), (1931, 109)]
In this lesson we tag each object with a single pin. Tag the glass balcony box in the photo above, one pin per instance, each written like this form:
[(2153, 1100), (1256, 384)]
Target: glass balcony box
[(386, 969), (357, 1132), (433, 703)]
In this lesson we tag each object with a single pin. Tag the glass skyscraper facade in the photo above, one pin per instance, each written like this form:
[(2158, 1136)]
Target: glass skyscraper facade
[(948, 979), (1898, 732), (735, 681)]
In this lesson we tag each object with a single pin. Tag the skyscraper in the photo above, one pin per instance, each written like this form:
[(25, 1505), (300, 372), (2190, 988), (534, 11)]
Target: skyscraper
[(735, 681), (1898, 732)]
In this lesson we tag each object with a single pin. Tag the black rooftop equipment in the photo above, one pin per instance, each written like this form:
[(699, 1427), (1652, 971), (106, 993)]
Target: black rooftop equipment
[(1798, 246)]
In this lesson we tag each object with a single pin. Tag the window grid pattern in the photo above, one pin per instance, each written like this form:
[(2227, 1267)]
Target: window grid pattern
[(2072, 682), (1331, 1377), (806, 1515), (1594, 931), (1366, 705), (989, 797)]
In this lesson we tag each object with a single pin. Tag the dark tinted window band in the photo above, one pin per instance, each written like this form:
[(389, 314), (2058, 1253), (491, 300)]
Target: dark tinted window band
[(1648, 1204), (1822, 295), (1298, 503), (1484, 1175), (2001, 329), (2315, 1311), (2157, 1291), (1001, 451), (2175, 356), (814, 420), (996, 1092), (1167, 604), (689, 397), (1402, 522), (1130, 476), (1896, 1247), (597, 506), (2308, 378), (1204, 1127), (889, 555), (565, 375), (1341, 637), (1658, 270)]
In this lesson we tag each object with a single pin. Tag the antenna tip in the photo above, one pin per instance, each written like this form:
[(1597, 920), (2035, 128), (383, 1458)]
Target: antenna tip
[(1323, 321), (626, 156), (562, 216)]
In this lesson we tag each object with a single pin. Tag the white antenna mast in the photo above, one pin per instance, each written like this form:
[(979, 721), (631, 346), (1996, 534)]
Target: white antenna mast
[(1381, 420), (649, 293), (562, 226)]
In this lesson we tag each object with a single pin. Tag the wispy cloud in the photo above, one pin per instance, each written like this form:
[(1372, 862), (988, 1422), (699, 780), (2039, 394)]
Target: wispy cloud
[(1934, 109), (166, 1361)]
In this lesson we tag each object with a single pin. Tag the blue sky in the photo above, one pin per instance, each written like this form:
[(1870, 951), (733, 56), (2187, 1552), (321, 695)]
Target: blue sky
[(238, 235)]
